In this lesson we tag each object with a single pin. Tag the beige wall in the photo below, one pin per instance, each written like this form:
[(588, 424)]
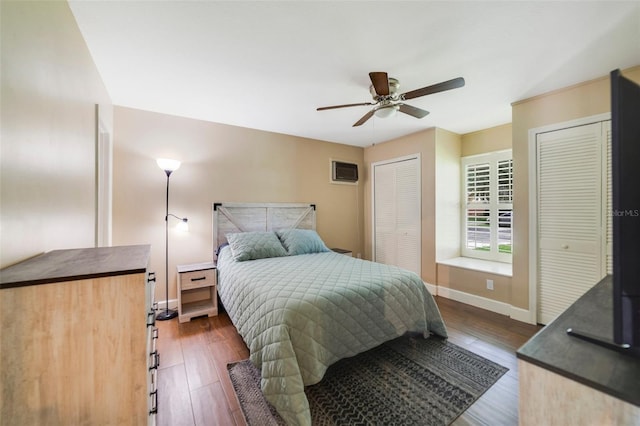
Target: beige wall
[(583, 100), (440, 158), (220, 163), (487, 140), (465, 280), (50, 86), (47, 175), (447, 195), (440, 152), (475, 282)]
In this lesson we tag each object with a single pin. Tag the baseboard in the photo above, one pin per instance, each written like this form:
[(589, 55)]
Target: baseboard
[(173, 304), (433, 289), (502, 308), (523, 315)]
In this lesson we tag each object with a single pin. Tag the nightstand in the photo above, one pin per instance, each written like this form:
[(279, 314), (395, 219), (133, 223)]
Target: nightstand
[(343, 251), (197, 291)]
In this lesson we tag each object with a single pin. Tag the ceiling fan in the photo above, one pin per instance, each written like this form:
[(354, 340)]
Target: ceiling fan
[(387, 101)]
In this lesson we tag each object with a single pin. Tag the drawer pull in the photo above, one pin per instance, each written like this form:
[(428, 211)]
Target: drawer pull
[(154, 403), (198, 279), (151, 278), (151, 319)]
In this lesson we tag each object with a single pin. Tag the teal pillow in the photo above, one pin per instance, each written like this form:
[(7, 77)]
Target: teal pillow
[(301, 241), (255, 245)]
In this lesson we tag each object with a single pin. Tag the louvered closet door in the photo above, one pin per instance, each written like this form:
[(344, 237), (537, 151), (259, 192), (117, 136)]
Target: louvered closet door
[(570, 216), (397, 214)]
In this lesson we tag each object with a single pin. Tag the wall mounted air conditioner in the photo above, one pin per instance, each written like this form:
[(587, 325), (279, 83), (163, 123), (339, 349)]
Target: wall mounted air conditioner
[(342, 172)]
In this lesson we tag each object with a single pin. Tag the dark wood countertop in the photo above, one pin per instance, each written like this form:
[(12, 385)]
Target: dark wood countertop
[(598, 367), (76, 264)]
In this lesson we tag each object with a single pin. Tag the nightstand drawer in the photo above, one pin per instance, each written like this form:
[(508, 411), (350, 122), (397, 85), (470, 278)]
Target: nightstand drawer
[(197, 279)]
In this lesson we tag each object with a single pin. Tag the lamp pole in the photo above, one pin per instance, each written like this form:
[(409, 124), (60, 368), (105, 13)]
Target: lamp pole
[(167, 314)]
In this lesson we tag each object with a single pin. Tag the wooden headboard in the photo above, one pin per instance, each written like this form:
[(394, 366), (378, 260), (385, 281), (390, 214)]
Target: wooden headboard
[(245, 217)]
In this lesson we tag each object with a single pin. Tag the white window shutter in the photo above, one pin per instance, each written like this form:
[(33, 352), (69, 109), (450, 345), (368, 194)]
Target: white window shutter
[(488, 206)]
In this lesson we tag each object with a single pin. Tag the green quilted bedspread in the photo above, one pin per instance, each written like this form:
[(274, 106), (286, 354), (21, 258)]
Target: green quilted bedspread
[(300, 314)]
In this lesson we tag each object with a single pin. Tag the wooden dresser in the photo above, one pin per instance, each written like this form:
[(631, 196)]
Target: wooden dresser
[(564, 380), (77, 343)]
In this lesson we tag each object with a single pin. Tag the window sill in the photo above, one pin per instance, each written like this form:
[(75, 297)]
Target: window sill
[(489, 266)]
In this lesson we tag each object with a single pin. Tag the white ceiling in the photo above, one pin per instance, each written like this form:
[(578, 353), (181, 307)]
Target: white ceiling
[(268, 65)]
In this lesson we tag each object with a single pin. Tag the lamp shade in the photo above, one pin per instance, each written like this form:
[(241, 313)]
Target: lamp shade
[(387, 111), (183, 225), (168, 165)]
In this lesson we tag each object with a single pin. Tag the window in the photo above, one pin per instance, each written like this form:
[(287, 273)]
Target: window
[(488, 206)]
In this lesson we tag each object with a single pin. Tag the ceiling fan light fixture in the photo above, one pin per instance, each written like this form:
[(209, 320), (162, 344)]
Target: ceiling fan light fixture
[(387, 111), (387, 101)]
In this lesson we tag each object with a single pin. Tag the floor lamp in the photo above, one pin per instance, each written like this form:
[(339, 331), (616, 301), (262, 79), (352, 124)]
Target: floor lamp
[(168, 166)]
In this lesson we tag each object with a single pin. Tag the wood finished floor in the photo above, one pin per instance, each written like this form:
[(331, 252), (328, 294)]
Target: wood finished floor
[(194, 387)]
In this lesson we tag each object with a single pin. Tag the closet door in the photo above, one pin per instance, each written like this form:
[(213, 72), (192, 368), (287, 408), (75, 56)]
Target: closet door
[(397, 213), (570, 216)]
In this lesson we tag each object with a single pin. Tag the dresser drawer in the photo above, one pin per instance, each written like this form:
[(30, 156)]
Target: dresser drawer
[(197, 279)]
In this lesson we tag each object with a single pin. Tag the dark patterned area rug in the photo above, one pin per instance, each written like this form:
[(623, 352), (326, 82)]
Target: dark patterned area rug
[(407, 381)]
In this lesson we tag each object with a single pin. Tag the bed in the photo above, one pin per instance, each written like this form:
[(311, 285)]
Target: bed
[(300, 307)]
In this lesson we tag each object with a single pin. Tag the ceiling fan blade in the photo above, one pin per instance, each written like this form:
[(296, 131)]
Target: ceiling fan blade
[(413, 111), (364, 118), (380, 82), (343, 106), (440, 87)]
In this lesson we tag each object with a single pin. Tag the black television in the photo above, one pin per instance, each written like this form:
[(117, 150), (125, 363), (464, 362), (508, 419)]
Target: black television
[(625, 212), (625, 169)]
